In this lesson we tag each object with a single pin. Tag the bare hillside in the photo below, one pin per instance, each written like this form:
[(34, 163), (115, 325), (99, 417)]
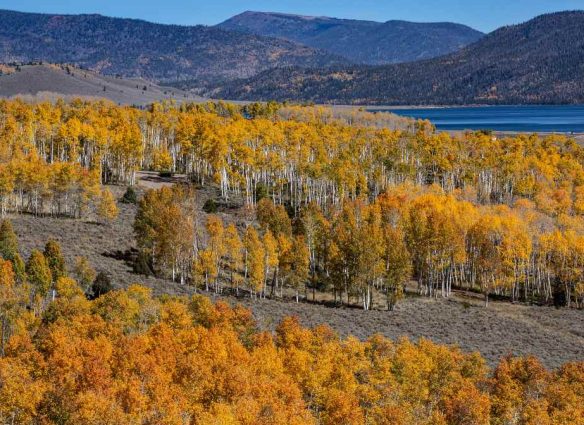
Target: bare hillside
[(48, 82)]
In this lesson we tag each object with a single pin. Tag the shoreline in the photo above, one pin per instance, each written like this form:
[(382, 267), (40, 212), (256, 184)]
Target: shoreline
[(376, 108)]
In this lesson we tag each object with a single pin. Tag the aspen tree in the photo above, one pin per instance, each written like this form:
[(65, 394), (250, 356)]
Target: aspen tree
[(271, 259), (107, 208), (8, 241), (234, 255), (254, 261), (39, 273), (84, 272), (55, 260), (215, 246)]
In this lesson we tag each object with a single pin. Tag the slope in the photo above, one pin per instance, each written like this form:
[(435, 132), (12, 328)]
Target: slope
[(540, 61), (49, 82), (134, 48), (363, 42)]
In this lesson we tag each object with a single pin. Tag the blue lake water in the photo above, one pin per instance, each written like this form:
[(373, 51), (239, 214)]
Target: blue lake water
[(555, 118)]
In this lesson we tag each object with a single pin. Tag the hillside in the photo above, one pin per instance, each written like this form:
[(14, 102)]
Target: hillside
[(53, 81), (539, 61), (134, 48), (364, 42), (445, 226)]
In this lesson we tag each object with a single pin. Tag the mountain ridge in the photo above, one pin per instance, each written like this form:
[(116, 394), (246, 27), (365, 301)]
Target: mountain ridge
[(138, 48), (539, 61), (361, 41)]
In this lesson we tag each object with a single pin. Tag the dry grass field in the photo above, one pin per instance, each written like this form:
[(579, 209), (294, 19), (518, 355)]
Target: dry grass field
[(52, 82), (554, 335)]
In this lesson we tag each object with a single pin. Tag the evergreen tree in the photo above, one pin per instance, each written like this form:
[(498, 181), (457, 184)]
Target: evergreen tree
[(101, 285)]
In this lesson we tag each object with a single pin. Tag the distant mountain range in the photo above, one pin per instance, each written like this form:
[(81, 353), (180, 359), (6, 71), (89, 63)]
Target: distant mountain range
[(134, 48), (540, 61), (49, 82), (263, 56), (364, 42), (238, 48)]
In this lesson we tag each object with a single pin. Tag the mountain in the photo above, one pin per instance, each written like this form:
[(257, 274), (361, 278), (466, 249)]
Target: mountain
[(48, 82), (540, 61), (363, 42), (134, 48)]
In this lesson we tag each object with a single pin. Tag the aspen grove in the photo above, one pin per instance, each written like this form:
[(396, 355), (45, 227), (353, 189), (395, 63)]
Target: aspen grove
[(357, 204)]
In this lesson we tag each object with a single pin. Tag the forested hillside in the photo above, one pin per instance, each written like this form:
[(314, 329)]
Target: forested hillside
[(133, 48), (536, 62), (312, 204), (349, 209), (364, 42)]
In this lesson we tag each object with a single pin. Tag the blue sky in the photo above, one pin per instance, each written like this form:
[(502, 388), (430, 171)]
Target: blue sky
[(485, 15)]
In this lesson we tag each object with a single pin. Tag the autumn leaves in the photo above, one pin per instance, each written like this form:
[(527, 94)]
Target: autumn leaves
[(129, 358), (500, 216), (207, 253)]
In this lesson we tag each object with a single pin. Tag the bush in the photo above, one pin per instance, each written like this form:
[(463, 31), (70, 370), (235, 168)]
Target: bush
[(101, 285), (130, 197), (210, 206)]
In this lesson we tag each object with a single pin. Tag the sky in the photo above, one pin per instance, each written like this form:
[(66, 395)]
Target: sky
[(484, 15)]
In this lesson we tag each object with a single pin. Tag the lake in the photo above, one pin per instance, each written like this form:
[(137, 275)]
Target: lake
[(539, 118)]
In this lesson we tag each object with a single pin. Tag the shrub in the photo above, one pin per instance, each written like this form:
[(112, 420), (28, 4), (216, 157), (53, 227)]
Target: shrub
[(210, 206), (143, 264), (130, 196), (101, 285)]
